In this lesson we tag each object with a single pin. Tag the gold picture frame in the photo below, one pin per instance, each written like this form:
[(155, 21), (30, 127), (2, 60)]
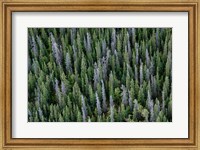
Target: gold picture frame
[(9, 6)]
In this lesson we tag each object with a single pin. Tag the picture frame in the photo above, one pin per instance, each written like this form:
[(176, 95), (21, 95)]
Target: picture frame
[(10, 6)]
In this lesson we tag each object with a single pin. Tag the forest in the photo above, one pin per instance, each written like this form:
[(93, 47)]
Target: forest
[(99, 74)]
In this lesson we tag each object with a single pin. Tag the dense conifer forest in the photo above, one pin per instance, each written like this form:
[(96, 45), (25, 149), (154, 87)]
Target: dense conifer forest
[(99, 74)]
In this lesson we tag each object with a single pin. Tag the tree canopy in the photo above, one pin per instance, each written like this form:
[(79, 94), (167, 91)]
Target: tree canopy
[(99, 74)]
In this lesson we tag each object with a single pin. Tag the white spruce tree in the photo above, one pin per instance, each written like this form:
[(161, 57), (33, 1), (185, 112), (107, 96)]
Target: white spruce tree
[(112, 114), (68, 63), (104, 68), (111, 109), (113, 40), (137, 53), (34, 47), (141, 73), (96, 76), (133, 36), (130, 100), (104, 47), (157, 37), (84, 109), (40, 113), (136, 72), (129, 47), (147, 75), (57, 91), (135, 104), (63, 88), (124, 95), (98, 105), (104, 97), (147, 58), (168, 64), (57, 50), (163, 101), (151, 111), (88, 43)]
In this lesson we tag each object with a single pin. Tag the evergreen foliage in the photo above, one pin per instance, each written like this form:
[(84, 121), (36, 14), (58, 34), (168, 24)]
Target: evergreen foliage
[(99, 74)]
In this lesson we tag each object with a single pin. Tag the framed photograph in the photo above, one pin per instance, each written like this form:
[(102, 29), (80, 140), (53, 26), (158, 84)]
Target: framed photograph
[(106, 75)]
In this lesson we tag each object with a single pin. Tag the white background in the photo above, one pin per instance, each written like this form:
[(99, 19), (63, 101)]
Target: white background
[(178, 128)]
